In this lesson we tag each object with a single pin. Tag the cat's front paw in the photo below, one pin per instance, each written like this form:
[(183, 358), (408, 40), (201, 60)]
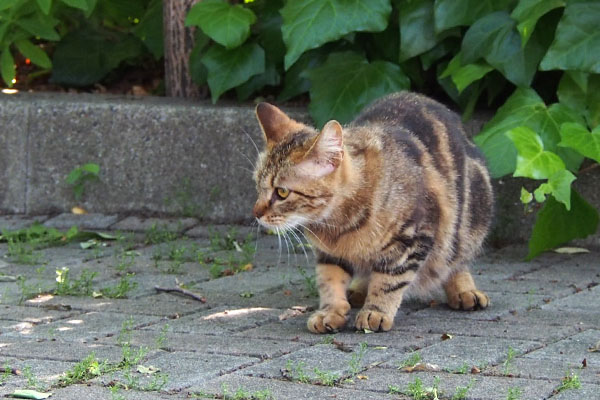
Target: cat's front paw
[(373, 320), (468, 300), (329, 319)]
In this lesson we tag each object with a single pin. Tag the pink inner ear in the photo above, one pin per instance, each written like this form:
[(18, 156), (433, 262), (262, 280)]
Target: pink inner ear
[(315, 168)]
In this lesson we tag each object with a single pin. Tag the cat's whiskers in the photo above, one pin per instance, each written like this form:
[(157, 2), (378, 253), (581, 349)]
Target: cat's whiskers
[(247, 159), (252, 141), (292, 231)]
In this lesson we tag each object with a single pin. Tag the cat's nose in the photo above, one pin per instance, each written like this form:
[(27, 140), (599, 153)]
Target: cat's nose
[(259, 210)]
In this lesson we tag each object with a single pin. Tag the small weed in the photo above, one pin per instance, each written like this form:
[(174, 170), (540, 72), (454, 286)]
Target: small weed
[(463, 369), (418, 391), (79, 176), (158, 381), (297, 372), (156, 235), (38, 236), (86, 369), (114, 393), (125, 260), (246, 295), (120, 290), (411, 361), (461, 391), (82, 286), (326, 378), (22, 253), (29, 291), (220, 242), (392, 389), (569, 381), (510, 356), (514, 393), (131, 357), (161, 339), (32, 381), (310, 282), (177, 258), (6, 374), (329, 339), (357, 357), (243, 394)]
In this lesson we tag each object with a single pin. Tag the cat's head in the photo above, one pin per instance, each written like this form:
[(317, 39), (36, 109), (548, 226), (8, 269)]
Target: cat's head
[(296, 173)]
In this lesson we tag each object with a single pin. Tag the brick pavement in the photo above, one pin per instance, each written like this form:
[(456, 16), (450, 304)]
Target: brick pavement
[(249, 337)]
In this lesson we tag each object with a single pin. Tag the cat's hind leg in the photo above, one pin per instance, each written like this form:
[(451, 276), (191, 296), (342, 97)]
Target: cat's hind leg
[(462, 294), (332, 281)]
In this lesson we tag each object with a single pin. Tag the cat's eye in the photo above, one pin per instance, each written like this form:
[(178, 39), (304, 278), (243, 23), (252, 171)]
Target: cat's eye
[(282, 193)]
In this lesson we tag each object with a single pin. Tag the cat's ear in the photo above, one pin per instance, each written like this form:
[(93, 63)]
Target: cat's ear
[(326, 153), (275, 124)]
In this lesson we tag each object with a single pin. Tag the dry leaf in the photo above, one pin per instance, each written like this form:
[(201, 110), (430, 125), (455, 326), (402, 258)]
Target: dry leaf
[(362, 377), (595, 348), (78, 210), (446, 336), (475, 370), (247, 267), (147, 370), (427, 367), (571, 250)]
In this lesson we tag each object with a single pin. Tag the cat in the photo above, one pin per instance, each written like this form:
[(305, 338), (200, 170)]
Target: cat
[(398, 198)]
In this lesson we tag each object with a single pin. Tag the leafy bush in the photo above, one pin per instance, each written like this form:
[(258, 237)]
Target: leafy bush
[(78, 41), (538, 59)]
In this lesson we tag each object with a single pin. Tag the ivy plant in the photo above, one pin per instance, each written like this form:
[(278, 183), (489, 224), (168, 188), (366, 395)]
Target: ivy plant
[(536, 61)]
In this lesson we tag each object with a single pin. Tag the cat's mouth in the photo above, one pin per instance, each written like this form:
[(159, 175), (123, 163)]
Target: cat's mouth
[(280, 223)]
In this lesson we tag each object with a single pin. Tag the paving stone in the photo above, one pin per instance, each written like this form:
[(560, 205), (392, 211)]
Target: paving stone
[(553, 369), (474, 351), (161, 304), (482, 388), (186, 369), (15, 222), (84, 327), (138, 224), (78, 392), (337, 362), (221, 320), (42, 373), (211, 344), (51, 349), (81, 221), (206, 231), (578, 301), (280, 389), (587, 391), (572, 349), (521, 326)]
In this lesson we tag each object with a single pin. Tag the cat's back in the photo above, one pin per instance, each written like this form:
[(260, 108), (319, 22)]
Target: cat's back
[(455, 180)]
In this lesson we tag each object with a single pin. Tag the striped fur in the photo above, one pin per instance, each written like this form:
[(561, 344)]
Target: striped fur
[(398, 199)]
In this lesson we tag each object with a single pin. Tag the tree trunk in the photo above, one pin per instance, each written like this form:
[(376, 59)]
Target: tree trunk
[(179, 42)]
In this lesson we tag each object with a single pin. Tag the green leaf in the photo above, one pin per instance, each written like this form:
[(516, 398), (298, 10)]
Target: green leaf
[(310, 23), (526, 197), (556, 225), (593, 100), (150, 29), (7, 66), (464, 75), (34, 53), (80, 4), (41, 26), (495, 39), (228, 25), (197, 69), (44, 5), (576, 44), (230, 68), (268, 78), (30, 394), (528, 12), (572, 89), (416, 28), (296, 81), (532, 160), (6, 4), (91, 168), (347, 82), (559, 185), (579, 138), (451, 13), (83, 57), (524, 108)]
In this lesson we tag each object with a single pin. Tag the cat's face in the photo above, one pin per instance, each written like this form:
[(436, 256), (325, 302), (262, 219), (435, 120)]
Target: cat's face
[(295, 174)]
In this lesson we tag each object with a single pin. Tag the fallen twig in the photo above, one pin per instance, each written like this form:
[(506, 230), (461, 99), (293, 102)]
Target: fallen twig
[(9, 370), (182, 291)]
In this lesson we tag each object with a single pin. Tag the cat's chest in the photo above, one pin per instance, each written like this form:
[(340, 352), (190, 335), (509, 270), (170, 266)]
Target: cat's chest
[(358, 248)]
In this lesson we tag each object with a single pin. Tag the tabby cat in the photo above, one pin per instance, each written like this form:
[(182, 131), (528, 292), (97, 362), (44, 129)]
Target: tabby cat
[(397, 199)]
